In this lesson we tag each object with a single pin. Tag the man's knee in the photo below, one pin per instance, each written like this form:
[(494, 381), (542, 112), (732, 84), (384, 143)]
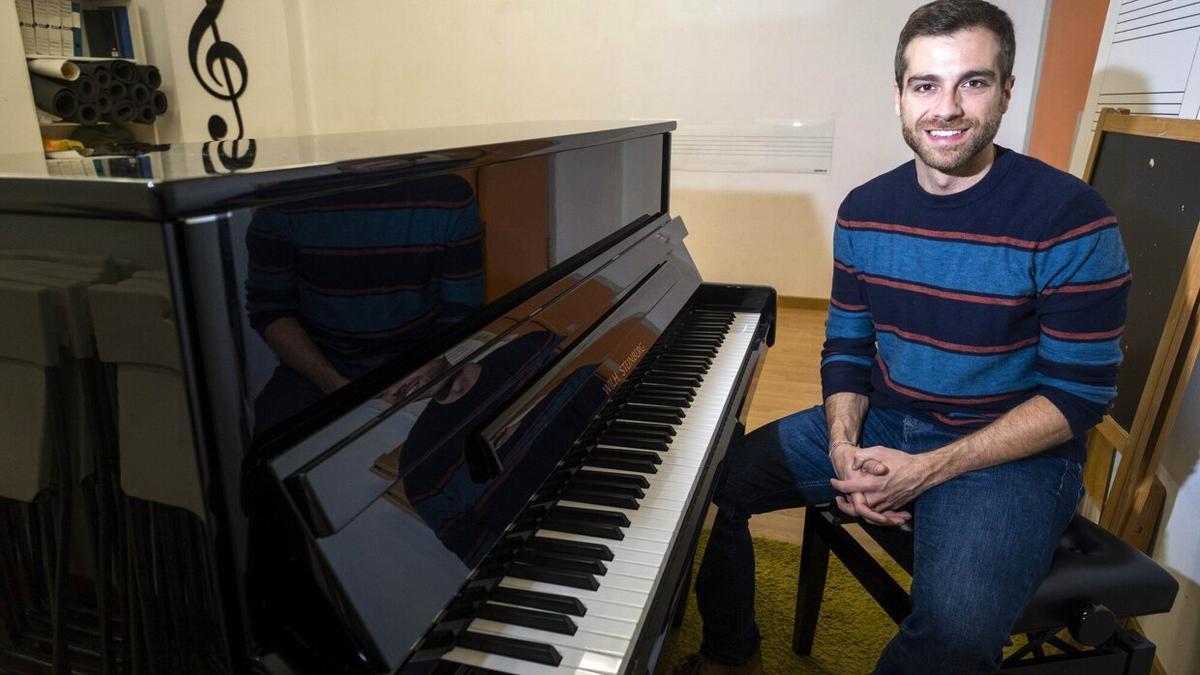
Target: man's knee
[(932, 647), (954, 637)]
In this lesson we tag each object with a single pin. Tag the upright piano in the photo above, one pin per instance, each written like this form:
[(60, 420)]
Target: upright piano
[(433, 401)]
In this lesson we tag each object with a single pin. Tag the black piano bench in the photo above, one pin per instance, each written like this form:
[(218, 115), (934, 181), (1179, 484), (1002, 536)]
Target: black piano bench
[(1095, 580)]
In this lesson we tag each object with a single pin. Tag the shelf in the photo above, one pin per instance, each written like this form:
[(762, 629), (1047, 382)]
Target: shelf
[(30, 57), (68, 125)]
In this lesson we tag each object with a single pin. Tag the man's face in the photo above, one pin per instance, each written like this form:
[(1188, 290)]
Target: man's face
[(951, 100)]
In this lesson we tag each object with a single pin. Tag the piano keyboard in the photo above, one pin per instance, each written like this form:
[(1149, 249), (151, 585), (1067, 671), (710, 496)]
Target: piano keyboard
[(575, 597)]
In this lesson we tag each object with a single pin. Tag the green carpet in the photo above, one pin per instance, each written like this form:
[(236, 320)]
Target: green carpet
[(851, 633)]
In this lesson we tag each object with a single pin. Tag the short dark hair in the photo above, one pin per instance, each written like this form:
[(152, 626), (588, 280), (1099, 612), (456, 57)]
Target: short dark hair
[(943, 17)]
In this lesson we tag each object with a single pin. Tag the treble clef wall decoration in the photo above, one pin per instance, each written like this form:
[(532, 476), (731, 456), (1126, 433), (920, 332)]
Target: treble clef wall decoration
[(226, 80)]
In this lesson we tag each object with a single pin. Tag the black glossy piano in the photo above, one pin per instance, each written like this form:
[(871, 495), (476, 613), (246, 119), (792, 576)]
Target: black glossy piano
[(434, 401)]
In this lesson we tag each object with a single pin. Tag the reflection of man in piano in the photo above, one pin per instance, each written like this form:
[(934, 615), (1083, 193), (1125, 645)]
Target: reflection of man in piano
[(432, 465), (337, 286), (972, 340)]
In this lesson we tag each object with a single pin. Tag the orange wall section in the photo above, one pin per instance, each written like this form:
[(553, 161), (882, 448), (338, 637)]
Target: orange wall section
[(1072, 37)]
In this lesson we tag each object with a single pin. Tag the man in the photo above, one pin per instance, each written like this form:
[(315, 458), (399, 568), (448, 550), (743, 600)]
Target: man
[(972, 340)]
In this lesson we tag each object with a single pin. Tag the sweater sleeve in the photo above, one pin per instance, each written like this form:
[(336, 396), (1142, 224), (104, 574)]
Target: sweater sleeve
[(849, 349), (271, 280), (462, 265), (1083, 279)]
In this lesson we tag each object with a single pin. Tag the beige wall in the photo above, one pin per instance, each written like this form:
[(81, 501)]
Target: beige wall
[(374, 65), (317, 66), (267, 33)]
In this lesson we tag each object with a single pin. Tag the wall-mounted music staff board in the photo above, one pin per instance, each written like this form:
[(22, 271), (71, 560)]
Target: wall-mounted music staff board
[(1148, 170)]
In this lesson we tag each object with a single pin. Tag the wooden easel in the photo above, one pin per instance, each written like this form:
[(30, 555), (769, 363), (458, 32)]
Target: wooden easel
[(1133, 505)]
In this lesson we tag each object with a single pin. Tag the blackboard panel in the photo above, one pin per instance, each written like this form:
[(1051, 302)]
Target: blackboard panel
[(1153, 185)]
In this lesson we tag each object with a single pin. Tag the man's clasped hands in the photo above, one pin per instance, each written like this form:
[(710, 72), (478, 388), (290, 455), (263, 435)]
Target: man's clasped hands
[(878, 483)]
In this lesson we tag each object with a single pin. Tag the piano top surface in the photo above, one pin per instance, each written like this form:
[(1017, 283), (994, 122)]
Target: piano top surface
[(195, 180)]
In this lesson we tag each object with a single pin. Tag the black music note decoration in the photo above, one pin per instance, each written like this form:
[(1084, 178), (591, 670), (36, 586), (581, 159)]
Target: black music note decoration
[(222, 86)]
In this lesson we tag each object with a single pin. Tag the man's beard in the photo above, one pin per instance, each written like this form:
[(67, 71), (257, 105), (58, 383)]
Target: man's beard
[(949, 160)]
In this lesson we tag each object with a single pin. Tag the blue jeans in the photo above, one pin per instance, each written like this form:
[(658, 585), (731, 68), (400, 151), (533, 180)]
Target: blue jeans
[(983, 541)]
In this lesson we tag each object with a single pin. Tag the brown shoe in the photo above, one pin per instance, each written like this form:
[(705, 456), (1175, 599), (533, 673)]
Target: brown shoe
[(698, 664)]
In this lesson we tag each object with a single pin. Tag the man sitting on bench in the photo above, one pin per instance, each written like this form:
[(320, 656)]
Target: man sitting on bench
[(972, 340)]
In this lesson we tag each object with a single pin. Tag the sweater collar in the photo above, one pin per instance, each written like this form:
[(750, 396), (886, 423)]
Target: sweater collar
[(1001, 165)]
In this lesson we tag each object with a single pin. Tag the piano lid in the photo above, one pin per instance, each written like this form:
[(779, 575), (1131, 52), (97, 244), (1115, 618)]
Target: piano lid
[(192, 179)]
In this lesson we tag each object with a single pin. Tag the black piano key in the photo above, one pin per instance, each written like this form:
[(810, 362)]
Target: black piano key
[(689, 353), (578, 549), (676, 377), (706, 344), (505, 646), (681, 376), (635, 465), (639, 428), (636, 405), (666, 401), (606, 487), (530, 618), (642, 429), (693, 349), (680, 369), (559, 561), (671, 388), (581, 527), (614, 478), (648, 415), (697, 342), (705, 331), (591, 515), (691, 376), (552, 576), (689, 356), (681, 365), (669, 362), (659, 389), (600, 498), (603, 456), (604, 452), (563, 604), (634, 441), (653, 382)]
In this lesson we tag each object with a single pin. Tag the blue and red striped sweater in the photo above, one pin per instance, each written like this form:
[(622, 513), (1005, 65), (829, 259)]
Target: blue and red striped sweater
[(370, 272), (960, 307)]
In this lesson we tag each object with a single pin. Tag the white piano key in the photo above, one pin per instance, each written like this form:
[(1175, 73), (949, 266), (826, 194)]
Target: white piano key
[(598, 620), (583, 641), (614, 595), (638, 555), (613, 611), (626, 582), (630, 569), (628, 543), (575, 662), (651, 519)]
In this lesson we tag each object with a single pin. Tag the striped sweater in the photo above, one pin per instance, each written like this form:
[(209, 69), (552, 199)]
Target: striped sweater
[(960, 307), (371, 272)]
